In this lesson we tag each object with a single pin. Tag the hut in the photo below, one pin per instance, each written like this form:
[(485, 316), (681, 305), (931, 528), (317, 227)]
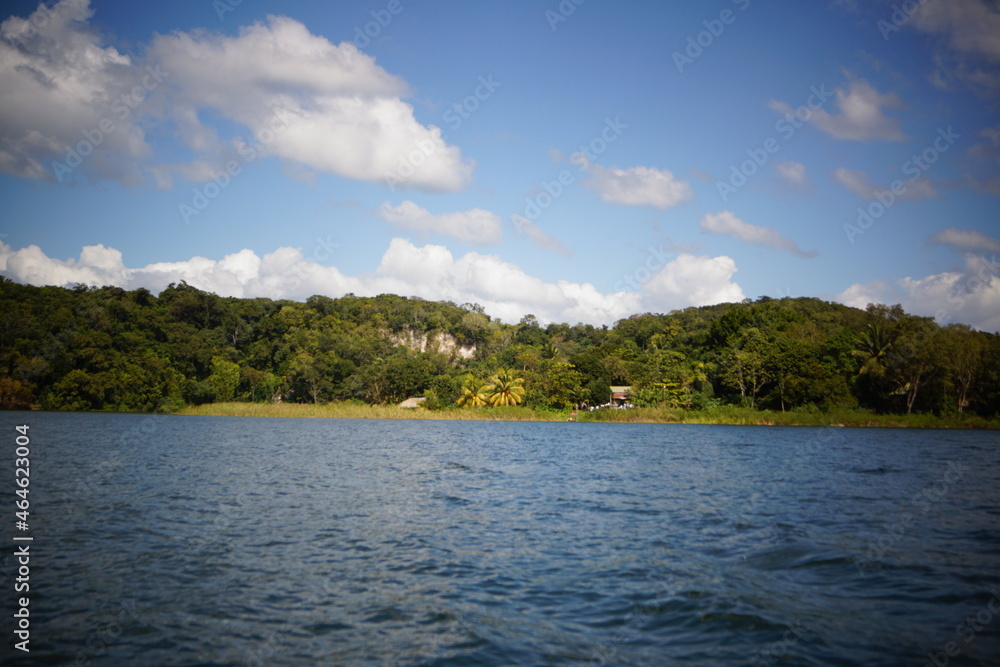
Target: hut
[(412, 403)]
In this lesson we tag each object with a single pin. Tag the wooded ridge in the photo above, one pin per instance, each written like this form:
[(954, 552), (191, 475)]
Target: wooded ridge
[(110, 349)]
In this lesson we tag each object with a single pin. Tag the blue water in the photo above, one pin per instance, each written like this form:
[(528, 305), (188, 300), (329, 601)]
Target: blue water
[(222, 541)]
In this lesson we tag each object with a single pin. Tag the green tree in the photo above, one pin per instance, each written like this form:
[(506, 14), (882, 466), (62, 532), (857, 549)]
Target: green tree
[(744, 365), (225, 378), (962, 350)]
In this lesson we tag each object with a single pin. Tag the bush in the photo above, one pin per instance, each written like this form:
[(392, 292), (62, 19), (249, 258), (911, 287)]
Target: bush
[(198, 393)]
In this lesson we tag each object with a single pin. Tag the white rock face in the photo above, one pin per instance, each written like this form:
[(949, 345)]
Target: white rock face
[(436, 341)]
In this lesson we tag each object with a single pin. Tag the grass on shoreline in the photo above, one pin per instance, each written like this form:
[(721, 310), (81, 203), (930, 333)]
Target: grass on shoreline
[(721, 415), (349, 410)]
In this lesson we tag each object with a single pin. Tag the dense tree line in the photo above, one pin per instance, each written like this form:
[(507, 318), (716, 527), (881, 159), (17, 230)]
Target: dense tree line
[(110, 349)]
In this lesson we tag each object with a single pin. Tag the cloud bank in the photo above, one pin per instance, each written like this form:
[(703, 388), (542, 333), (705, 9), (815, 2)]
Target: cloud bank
[(431, 272)]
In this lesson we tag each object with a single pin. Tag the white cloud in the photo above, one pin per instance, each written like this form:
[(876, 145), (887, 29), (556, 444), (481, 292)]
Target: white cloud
[(63, 90), (97, 265), (302, 98), (858, 183), (330, 106), (692, 280), (862, 114), (971, 26), (728, 224), (429, 271), (793, 173), (971, 296), (966, 239), (474, 226), (637, 186)]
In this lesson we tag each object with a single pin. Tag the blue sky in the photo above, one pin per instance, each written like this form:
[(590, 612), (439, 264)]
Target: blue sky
[(580, 161)]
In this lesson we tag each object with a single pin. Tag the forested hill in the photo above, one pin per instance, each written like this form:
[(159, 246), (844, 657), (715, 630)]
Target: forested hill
[(111, 349)]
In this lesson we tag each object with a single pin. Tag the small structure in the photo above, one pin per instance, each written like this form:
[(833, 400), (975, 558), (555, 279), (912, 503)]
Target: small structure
[(412, 403), (620, 396)]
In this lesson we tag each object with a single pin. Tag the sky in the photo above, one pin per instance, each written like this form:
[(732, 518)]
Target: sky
[(578, 160)]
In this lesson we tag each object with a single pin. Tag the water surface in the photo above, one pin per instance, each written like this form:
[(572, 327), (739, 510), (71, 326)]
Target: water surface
[(238, 541)]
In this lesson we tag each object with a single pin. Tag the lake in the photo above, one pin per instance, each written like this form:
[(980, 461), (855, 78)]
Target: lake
[(170, 540)]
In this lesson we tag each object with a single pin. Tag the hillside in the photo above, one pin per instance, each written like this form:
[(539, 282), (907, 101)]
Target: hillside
[(111, 349)]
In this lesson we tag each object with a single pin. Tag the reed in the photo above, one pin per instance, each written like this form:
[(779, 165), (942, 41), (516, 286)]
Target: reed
[(729, 414), (352, 410)]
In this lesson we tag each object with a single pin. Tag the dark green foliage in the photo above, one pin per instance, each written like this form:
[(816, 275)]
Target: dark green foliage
[(110, 349)]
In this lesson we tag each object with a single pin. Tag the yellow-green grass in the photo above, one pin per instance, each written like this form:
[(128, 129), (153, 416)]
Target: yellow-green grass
[(747, 417), (349, 410), (720, 415)]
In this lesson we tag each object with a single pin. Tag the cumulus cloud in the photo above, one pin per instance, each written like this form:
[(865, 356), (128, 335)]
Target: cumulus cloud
[(68, 99), (431, 271), (337, 111), (296, 95), (858, 183), (473, 226), (692, 280), (861, 114), (971, 296), (793, 173), (637, 186), (966, 240), (728, 224)]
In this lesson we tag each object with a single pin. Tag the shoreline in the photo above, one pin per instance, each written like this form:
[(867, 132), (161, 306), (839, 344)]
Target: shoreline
[(725, 416)]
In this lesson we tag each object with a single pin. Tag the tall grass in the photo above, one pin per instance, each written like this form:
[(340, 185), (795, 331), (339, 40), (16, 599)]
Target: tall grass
[(352, 410), (725, 414), (731, 414)]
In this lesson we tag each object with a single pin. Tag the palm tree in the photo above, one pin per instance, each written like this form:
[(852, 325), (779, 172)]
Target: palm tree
[(505, 388), (874, 348), (473, 394)]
